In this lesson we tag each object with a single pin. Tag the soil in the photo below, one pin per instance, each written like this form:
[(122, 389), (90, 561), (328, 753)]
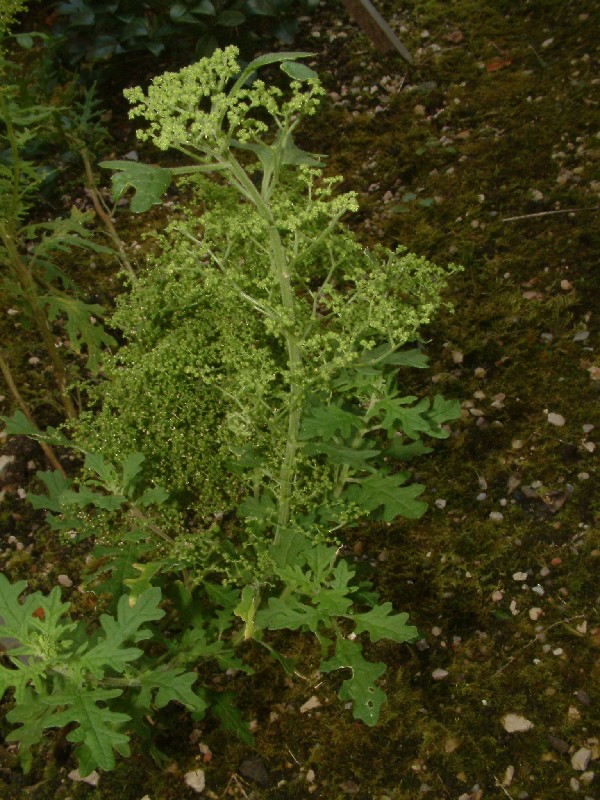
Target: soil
[(484, 152)]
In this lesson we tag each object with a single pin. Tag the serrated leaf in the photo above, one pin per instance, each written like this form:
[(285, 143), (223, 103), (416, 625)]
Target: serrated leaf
[(380, 623), (19, 425), (149, 183), (230, 717), (132, 467), (94, 462), (153, 496), (222, 595), (325, 422), (387, 493), (361, 688), (12, 612), (97, 727), (332, 602), (120, 561), (441, 411), (341, 454), (109, 652), (170, 684), (143, 579), (405, 452), (79, 325), (56, 484), (289, 613), (33, 717)]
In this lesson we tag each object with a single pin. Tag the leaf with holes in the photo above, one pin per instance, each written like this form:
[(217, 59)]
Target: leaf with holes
[(361, 688)]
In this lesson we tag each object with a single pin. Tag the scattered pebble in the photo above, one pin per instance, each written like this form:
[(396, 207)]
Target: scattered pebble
[(508, 776), (496, 516), (538, 590), (195, 780), (92, 779), (581, 336), (440, 674), (65, 581), (310, 776), (515, 723), (440, 503), (519, 576), (535, 613), (556, 419), (497, 596), (312, 703), (574, 783), (580, 759)]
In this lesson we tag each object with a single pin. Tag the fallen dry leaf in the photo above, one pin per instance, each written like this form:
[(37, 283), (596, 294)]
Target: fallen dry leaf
[(498, 63)]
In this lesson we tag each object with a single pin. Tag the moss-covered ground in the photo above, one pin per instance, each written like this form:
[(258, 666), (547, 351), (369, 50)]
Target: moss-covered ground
[(485, 152)]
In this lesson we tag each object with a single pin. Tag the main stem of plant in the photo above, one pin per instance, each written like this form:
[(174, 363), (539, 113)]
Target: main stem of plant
[(281, 272)]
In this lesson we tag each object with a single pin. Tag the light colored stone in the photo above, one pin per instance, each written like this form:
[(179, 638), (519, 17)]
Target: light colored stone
[(195, 780), (92, 779), (310, 705), (581, 758), (439, 674), (556, 419), (515, 723), (65, 581)]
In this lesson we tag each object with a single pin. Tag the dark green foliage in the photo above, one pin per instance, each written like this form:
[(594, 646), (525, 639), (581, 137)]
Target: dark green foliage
[(96, 30)]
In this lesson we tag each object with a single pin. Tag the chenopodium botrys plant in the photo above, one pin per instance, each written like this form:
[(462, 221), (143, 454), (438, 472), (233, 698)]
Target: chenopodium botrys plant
[(311, 330), (261, 382)]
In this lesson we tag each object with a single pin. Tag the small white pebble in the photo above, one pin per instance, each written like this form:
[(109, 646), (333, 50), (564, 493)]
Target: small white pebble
[(440, 503), (496, 516), (588, 427), (519, 576), (547, 42), (583, 476), (195, 780), (481, 496), (311, 704), (538, 590), (558, 651), (436, 631), (310, 776), (515, 723), (535, 613), (497, 596), (544, 572), (517, 444), (65, 581), (556, 419), (439, 674)]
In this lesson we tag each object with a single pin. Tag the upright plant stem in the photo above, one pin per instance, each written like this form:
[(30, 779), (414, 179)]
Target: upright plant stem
[(29, 289), (281, 271), (12, 386), (103, 213)]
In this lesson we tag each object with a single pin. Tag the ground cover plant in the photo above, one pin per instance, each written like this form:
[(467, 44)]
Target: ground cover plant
[(302, 401), (484, 153)]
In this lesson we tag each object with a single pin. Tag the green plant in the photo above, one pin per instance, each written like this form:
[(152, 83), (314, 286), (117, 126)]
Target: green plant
[(269, 340), (95, 30), (32, 253)]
